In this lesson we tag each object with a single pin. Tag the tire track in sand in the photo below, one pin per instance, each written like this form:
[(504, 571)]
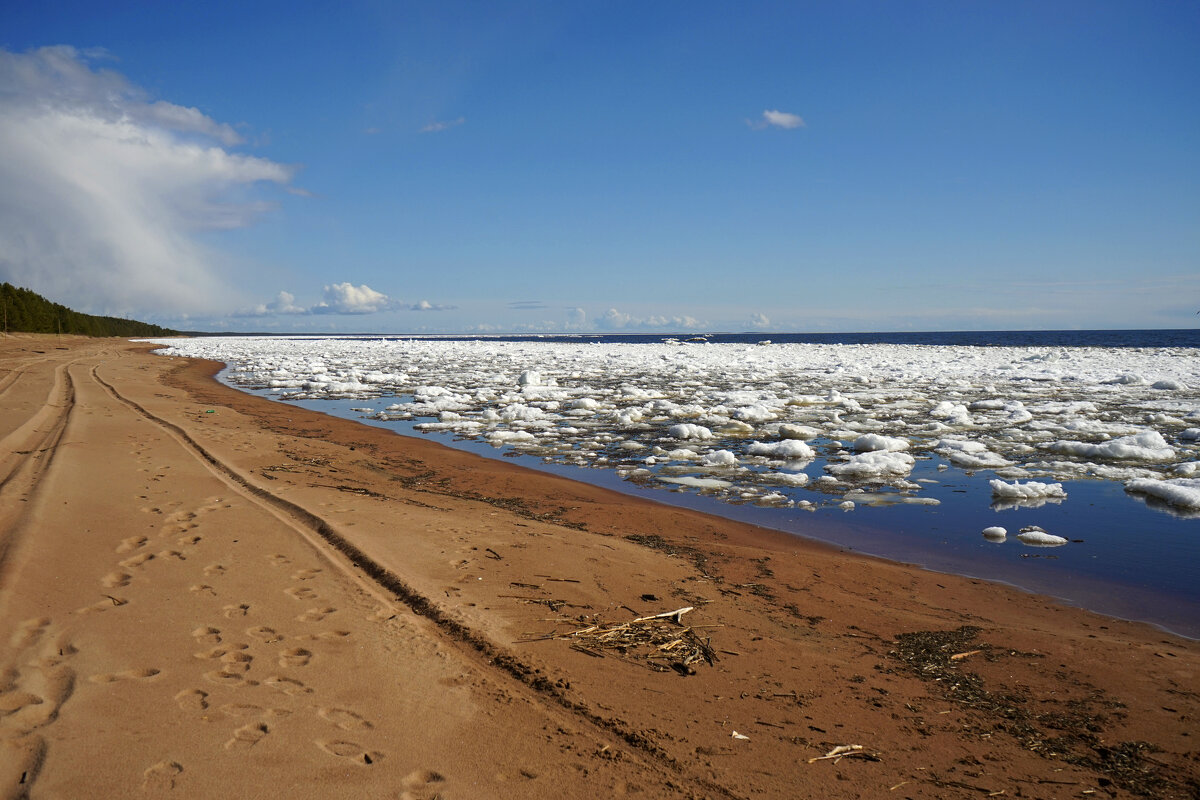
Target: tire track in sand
[(385, 585)]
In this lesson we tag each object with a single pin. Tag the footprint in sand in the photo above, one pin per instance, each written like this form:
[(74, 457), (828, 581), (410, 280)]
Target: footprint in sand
[(247, 736), (264, 634), (288, 686), (217, 652), (184, 541), (213, 570), (305, 574), (114, 579), (231, 679), (127, 675), (296, 657), (29, 632), (236, 662), (422, 784), (131, 544), (161, 776), (136, 561), (108, 602), (301, 593), (235, 611), (202, 588), (278, 560), (316, 614), (172, 554), (251, 710), (205, 635), (192, 700), (348, 750), (344, 718)]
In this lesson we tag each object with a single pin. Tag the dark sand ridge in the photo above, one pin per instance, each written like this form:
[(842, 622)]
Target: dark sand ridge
[(206, 592)]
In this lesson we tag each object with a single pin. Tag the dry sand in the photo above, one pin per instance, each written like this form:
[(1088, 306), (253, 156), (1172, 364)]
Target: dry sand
[(207, 594)]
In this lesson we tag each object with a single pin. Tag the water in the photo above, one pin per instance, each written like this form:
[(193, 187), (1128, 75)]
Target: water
[(1126, 558)]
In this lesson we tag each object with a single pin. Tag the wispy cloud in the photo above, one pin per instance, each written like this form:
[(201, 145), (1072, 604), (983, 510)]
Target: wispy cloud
[(776, 119), (527, 304), (425, 305), (437, 127), (103, 189)]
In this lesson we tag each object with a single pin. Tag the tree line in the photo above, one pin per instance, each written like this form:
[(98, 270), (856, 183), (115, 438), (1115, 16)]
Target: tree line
[(28, 312)]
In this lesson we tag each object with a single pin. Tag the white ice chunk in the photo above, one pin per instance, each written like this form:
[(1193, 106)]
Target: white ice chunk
[(793, 449), (1028, 491), (720, 458), (875, 464), (698, 483), (688, 430), (874, 441), (789, 431), (995, 534), (1182, 492), (1144, 446), (1036, 537)]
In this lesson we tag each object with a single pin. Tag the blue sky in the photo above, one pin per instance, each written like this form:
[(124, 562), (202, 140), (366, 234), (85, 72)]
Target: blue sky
[(456, 167)]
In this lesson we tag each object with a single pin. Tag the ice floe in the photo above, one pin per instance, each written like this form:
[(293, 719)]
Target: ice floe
[(754, 422)]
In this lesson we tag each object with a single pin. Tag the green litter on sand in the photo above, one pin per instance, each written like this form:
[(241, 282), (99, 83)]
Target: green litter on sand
[(211, 411)]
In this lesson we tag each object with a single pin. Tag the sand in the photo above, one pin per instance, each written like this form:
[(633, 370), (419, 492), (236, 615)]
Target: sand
[(204, 594)]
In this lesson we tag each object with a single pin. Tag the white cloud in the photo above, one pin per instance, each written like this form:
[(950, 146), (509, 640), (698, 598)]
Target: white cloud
[(612, 319), (346, 298), (776, 119), (102, 189), (759, 321), (438, 127), (425, 305)]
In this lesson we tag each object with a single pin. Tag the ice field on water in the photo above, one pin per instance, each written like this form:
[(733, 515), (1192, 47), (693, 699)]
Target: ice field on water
[(1088, 457)]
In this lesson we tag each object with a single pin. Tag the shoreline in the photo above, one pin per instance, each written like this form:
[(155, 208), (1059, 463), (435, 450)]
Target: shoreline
[(1171, 614), (434, 670)]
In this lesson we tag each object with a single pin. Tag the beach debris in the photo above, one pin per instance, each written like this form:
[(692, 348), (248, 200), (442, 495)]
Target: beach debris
[(845, 751), (737, 735), (659, 641)]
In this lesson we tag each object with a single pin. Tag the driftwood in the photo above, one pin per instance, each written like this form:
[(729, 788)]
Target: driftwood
[(660, 641)]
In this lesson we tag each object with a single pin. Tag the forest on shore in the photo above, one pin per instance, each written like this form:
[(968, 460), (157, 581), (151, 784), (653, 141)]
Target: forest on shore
[(26, 311)]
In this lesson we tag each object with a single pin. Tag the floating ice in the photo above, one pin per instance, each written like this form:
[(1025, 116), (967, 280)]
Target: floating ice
[(1029, 491), (674, 411), (1144, 446), (1036, 537), (1182, 492), (995, 534)]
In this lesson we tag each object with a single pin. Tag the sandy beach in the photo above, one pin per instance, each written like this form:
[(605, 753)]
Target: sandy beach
[(204, 593)]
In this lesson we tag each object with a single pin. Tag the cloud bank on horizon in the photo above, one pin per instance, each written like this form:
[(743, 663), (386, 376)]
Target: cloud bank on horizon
[(105, 192)]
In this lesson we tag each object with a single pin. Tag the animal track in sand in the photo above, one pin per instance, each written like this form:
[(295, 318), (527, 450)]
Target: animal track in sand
[(316, 614), (131, 544), (161, 776), (348, 750), (295, 657), (115, 579), (344, 718), (264, 634), (247, 736), (205, 635), (422, 784), (192, 700), (305, 574), (235, 611), (126, 675), (136, 561), (213, 570), (288, 686), (301, 593)]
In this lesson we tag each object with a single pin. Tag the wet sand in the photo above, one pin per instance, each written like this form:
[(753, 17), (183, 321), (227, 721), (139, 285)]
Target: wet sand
[(205, 593)]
